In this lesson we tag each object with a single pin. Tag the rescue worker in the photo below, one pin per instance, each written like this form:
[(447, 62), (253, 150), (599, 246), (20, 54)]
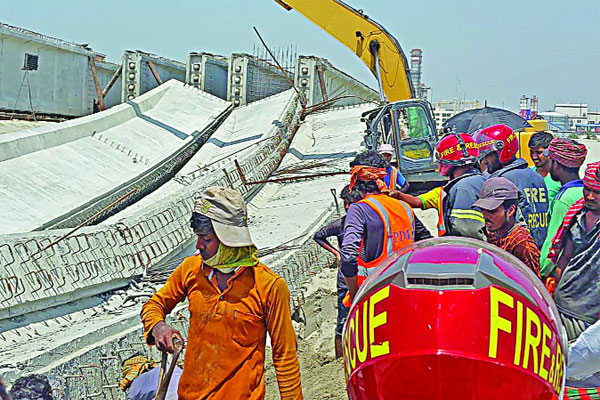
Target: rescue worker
[(234, 300), (498, 201), (498, 146), (565, 157), (375, 226), (394, 180), (454, 201), (336, 228), (575, 251), (538, 146)]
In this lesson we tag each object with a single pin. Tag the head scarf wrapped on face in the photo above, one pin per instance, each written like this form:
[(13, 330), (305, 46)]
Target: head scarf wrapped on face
[(368, 173), (592, 176), (567, 152), (591, 181), (223, 211), (229, 259)]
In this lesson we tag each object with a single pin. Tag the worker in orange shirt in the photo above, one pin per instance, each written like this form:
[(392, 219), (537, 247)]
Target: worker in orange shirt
[(234, 300)]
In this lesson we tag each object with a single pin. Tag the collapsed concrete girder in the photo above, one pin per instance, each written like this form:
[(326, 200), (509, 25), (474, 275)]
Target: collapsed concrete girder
[(251, 79), (318, 80)]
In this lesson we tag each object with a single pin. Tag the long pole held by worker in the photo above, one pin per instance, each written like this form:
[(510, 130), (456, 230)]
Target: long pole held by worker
[(164, 376)]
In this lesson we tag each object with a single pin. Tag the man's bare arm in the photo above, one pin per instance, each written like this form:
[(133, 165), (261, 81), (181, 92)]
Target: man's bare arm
[(412, 201)]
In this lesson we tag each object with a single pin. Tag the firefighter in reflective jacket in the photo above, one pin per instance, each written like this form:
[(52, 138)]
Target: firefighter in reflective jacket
[(376, 226), (457, 158), (498, 146)]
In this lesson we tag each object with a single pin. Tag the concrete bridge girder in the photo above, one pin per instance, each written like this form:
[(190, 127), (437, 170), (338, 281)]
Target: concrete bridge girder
[(250, 79), (207, 72), (320, 81), (143, 72)]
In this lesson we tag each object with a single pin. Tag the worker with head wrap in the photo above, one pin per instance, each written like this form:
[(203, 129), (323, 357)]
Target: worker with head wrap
[(376, 226), (565, 157), (576, 251), (234, 301)]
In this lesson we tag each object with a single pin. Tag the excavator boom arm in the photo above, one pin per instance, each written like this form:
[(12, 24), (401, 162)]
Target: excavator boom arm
[(366, 38)]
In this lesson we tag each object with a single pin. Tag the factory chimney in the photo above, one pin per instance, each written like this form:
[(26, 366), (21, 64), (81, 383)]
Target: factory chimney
[(416, 57)]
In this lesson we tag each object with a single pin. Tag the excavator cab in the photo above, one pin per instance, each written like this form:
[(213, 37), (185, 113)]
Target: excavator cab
[(409, 126)]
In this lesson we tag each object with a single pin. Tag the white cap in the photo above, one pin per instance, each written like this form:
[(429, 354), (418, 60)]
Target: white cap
[(226, 209), (386, 148)]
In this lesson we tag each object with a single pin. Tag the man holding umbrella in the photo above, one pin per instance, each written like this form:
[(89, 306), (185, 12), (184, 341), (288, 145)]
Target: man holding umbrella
[(498, 146)]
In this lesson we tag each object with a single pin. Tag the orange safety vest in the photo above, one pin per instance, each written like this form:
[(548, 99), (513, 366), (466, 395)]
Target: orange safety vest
[(398, 229), (441, 226), (393, 178)]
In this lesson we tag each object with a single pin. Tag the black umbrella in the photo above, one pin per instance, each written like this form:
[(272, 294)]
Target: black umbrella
[(473, 120)]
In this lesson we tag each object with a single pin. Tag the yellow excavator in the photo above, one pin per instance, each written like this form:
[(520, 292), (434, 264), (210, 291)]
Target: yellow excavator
[(402, 120)]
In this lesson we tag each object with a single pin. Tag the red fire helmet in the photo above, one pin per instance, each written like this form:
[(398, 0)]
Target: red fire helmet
[(456, 149), (500, 138), (454, 318)]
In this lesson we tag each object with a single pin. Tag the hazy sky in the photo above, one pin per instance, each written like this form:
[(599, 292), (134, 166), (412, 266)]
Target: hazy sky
[(494, 50)]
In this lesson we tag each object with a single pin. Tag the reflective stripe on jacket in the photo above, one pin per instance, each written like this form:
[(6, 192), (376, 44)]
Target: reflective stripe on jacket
[(441, 226), (399, 227)]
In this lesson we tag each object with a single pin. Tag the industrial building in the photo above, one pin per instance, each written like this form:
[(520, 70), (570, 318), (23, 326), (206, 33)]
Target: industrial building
[(44, 75), (416, 72), (443, 110), (576, 112), (557, 122), (528, 107)]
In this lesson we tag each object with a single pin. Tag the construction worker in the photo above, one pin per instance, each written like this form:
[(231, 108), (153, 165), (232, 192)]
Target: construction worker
[(141, 378), (565, 157), (336, 228), (498, 202), (375, 226), (454, 201), (394, 180), (234, 301), (575, 251), (498, 146), (538, 146)]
